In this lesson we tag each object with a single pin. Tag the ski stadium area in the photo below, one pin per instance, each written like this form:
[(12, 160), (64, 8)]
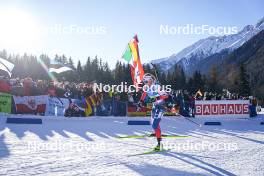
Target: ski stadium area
[(175, 88)]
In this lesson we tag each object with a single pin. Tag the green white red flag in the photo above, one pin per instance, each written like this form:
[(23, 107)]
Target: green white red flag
[(131, 55)]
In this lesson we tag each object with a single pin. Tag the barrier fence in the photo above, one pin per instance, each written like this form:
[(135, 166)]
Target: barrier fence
[(54, 106), (94, 105)]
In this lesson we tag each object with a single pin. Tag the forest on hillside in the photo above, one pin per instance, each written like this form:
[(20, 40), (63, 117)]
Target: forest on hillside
[(95, 70)]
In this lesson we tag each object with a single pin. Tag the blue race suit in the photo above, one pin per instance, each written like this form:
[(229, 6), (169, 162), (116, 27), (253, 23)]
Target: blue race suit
[(158, 108)]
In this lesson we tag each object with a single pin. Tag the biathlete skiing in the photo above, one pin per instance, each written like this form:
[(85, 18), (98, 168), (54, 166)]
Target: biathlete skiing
[(153, 94)]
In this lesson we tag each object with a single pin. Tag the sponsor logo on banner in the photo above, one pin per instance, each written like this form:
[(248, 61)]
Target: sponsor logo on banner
[(222, 108)]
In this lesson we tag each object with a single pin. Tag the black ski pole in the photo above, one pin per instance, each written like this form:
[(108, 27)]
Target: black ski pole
[(200, 125)]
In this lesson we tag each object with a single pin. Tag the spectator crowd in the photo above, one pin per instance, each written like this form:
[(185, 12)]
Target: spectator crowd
[(65, 89)]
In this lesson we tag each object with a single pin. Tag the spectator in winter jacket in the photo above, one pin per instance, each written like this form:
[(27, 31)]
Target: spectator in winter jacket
[(51, 91), (74, 111), (192, 105), (4, 86), (27, 84)]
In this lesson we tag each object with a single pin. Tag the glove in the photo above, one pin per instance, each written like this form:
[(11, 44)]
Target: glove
[(139, 104), (152, 99)]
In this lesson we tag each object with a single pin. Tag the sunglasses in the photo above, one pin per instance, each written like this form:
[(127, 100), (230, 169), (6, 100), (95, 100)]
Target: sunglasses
[(145, 81)]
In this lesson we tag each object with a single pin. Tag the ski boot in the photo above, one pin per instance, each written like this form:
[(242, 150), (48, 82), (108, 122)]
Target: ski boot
[(159, 147)]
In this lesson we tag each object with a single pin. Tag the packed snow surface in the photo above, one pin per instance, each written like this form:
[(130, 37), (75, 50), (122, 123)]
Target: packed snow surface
[(90, 146)]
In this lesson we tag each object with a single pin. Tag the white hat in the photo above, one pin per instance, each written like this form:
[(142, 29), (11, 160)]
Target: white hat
[(148, 77)]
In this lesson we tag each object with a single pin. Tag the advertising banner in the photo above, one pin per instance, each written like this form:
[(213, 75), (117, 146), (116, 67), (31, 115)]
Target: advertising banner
[(133, 110), (137, 111), (222, 108), (5, 102)]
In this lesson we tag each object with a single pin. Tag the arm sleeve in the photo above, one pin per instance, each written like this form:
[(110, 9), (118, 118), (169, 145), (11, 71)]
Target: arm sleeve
[(143, 96)]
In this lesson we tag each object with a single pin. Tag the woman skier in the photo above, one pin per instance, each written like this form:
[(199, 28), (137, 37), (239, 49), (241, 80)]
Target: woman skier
[(152, 93)]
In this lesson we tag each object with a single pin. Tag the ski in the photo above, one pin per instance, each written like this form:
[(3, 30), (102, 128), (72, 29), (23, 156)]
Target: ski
[(150, 135), (151, 152)]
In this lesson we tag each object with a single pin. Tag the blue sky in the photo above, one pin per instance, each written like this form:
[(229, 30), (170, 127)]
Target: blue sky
[(120, 19)]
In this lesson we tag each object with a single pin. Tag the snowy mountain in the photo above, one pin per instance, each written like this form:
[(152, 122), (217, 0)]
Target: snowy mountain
[(190, 56)]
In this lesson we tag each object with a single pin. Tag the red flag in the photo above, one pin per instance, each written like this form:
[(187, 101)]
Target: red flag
[(137, 70)]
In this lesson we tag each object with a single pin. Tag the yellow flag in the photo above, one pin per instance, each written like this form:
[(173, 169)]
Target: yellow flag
[(134, 50), (93, 100), (88, 109)]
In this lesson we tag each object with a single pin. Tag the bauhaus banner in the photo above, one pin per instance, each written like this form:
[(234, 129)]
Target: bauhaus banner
[(222, 108)]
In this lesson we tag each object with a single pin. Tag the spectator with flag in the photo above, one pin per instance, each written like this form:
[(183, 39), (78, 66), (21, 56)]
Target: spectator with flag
[(58, 67), (6, 66)]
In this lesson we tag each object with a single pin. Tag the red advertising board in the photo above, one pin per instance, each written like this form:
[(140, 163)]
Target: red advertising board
[(222, 108)]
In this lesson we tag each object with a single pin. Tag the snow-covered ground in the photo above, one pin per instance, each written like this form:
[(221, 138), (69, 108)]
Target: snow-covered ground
[(90, 146)]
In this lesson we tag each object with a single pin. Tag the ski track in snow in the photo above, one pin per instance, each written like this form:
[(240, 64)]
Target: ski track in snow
[(89, 147)]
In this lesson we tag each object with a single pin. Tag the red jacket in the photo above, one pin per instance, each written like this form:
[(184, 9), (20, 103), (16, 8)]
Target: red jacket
[(4, 87)]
